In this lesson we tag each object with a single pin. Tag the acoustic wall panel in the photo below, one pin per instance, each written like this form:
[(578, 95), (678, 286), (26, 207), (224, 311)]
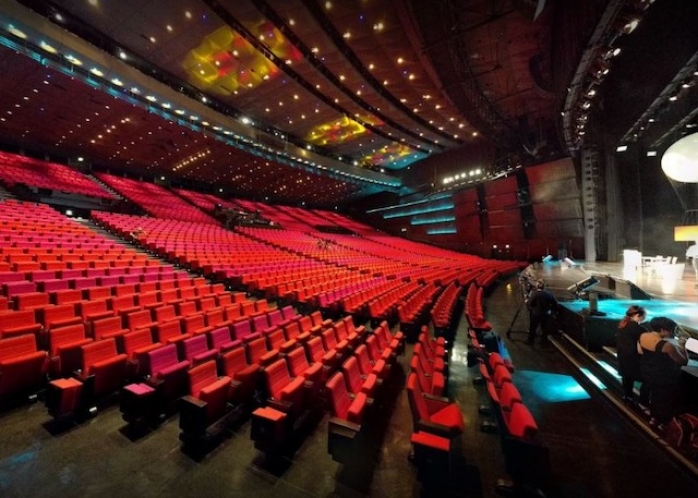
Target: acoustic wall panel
[(504, 218), (561, 229), (561, 210), (551, 191), (553, 171), (502, 201), (501, 186)]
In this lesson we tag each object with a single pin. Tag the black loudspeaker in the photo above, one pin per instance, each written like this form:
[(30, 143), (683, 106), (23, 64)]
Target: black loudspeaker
[(628, 290)]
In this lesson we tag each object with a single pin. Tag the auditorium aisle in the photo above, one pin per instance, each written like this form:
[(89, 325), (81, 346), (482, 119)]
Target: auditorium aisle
[(594, 450)]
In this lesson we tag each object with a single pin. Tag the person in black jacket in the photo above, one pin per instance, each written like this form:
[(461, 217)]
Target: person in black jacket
[(541, 306), (661, 368), (629, 330)]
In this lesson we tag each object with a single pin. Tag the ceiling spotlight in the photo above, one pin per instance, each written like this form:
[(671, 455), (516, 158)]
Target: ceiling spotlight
[(621, 148)]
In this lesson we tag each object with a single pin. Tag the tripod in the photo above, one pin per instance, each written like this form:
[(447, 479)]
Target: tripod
[(524, 288), (513, 320)]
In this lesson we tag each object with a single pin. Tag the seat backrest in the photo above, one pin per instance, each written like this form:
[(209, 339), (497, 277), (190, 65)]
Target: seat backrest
[(329, 340), (186, 308), (261, 305), (65, 335), (247, 308), (165, 313), (418, 405), (274, 317), (133, 341), (58, 312), (494, 360), (315, 349), (167, 330), (277, 377), (202, 376), (96, 352), (422, 379), (224, 299), (316, 318), (306, 324), (292, 329), (363, 359), (105, 326), (288, 312), (137, 319), (338, 396), (241, 329), (501, 375), (194, 346), (260, 323), (12, 319), (275, 338), (297, 362), (522, 423), (17, 346), (218, 337), (256, 348), (340, 330), (352, 375), (207, 303), (161, 358), (193, 323), (508, 395), (372, 347), (67, 296), (234, 361)]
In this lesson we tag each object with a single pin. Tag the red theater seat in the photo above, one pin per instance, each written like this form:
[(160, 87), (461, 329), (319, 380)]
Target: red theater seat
[(244, 375), (431, 414), (342, 405), (206, 403), (284, 393), (22, 367), (102, 367), (64, 349), (13, 323)]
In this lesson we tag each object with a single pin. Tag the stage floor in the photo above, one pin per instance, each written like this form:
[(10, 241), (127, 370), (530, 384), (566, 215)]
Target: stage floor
[(672, 288)]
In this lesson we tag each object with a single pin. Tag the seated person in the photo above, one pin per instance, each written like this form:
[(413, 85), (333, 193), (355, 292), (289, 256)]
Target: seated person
[(137, 234)]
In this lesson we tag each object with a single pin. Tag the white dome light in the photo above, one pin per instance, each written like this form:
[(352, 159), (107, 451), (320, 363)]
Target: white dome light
[(680, 161)]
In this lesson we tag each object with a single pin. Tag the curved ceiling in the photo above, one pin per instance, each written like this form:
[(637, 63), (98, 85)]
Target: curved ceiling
[(369, 85)]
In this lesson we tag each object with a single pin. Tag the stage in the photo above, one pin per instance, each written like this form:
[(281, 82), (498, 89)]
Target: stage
[(663, 291)]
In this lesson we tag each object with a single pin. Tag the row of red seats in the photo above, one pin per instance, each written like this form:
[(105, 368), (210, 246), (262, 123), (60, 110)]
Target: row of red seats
[(437, 422), (356, 303), (474, 308), (242, 350), (36, 173), (355, 394), (442, 314), (526, 460), (413, 312), (330, 300), (127, 351), (285, 357), (155, 200), (18, 288), (384, 306)]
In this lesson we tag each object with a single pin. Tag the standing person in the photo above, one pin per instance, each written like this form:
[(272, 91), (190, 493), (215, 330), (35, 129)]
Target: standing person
[(629, 331), (541, 306), (661, 368), (692, 252)]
